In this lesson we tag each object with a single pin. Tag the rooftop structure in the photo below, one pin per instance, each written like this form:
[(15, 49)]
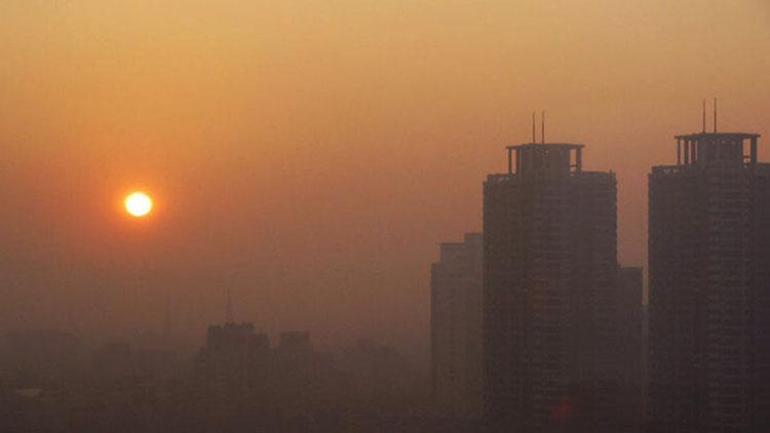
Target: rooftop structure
[(717, 148), (538, 157)]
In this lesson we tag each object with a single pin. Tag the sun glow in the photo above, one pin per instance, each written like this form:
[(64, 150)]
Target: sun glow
[(138, 204)]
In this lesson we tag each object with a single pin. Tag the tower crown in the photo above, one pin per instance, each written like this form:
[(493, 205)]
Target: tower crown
[(718, 148), (550, 158)]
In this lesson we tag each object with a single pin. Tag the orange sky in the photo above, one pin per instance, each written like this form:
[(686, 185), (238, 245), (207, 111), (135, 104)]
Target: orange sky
[(313, 153)]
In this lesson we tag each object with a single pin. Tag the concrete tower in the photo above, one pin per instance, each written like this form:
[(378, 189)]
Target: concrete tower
[(456, 299), (709, 255), (550, 278)]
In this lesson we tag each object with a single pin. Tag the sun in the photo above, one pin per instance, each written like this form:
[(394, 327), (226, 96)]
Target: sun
[(138, 204)]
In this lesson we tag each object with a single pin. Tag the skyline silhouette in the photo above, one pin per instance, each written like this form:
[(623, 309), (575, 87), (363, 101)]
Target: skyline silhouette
[(190, 188), (306, 149)]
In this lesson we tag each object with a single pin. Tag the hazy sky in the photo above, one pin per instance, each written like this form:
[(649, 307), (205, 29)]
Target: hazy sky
[(312, 154)]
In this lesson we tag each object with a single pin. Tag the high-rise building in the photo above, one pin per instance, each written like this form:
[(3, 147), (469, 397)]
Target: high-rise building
[(550, 277), (456, 297), (630, 347), (630, 311), (709, 257)]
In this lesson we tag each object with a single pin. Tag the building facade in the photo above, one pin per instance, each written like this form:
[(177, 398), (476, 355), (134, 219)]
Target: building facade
[(630, 324), (709, 256), (550, 306), (456, 298), (231, 352)]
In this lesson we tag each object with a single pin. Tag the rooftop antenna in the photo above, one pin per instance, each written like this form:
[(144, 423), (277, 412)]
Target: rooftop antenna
[(715, 115), (542, 127), (704, 116), (533, 127)]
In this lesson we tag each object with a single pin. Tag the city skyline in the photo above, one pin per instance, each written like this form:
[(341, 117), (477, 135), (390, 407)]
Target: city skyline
[(384, 216), (305, 149)]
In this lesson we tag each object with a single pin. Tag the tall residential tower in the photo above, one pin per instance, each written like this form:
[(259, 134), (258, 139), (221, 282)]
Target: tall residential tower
[(550, 283), (709, 255)]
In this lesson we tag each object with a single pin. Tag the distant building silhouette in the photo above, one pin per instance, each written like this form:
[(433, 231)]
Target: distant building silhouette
[(456, 296), (550, 280), (233, 351), (709, 255), (236, 337), (295, 343)]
